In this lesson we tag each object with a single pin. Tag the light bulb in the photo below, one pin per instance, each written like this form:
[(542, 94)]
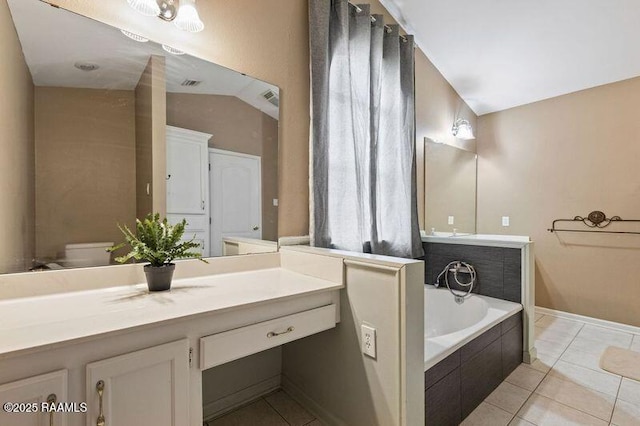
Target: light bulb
[(188, 18), (172, 50), (135, 37), (462, 130), (146, 7)]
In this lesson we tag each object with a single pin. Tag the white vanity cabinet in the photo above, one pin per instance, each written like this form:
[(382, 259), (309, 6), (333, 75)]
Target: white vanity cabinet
[(188, 182), (32, 392), (149, 387)]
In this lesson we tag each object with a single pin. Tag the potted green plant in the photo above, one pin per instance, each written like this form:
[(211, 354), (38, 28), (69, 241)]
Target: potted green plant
[(159, 243)]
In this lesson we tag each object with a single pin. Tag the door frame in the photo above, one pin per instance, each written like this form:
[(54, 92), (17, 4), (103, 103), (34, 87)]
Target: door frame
[(233, 154)]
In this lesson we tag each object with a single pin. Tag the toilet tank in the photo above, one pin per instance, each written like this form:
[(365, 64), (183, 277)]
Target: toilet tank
[(87, 254)]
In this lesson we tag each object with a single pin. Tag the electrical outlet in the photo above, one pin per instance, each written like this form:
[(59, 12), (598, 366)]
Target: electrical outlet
[(450, 220), (368, 340), (505, 220)]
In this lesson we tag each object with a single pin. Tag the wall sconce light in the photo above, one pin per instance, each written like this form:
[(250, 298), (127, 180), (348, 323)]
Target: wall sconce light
[(183, 13), (462, 129)]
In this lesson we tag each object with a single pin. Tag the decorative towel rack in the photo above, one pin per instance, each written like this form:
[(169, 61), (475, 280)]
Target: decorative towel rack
[(596, 220)]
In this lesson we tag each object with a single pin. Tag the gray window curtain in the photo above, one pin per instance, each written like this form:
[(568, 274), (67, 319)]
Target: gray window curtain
[(362, 132)]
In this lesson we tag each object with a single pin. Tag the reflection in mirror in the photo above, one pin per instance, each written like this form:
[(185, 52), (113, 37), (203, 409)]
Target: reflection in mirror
[(450, 189), (111, 127)]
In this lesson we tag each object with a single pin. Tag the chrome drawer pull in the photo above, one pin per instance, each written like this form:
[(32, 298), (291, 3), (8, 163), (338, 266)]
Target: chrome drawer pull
[(100, 389), (275, 333), (51, 399)]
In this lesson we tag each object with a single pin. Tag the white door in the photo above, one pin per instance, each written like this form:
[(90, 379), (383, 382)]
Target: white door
[(186, 176), (36, 390), (144, 388), (236, 197)]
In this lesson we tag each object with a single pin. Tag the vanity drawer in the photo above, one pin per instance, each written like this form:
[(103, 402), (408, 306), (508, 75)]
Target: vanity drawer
[(234, 344)]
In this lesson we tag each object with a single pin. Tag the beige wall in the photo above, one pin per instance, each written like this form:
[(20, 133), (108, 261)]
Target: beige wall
[(17, 218), (269, 40), (151, 149), (560, 158), (236, 126), (85, 174)]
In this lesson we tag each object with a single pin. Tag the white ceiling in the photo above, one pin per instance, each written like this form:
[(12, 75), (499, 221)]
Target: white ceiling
[(53, 40), (498, 54)]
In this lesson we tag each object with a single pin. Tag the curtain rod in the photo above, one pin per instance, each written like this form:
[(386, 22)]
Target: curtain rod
[(387, 28)]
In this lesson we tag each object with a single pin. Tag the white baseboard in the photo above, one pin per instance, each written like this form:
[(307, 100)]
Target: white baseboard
[(298, 395), (242, 397), (589, 320)]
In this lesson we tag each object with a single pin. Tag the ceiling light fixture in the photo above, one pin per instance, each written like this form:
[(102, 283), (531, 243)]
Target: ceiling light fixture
[(462, 129), (182, 12), (135, 37), (172, 50)]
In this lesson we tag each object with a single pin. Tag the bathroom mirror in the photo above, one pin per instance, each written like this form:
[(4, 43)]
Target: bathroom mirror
[(107, 127), (450, 189)]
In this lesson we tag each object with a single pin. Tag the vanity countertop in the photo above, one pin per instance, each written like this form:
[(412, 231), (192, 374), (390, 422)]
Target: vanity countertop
[(36, 322)]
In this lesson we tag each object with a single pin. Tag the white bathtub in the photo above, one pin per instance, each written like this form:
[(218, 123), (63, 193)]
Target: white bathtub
[(448, 326)]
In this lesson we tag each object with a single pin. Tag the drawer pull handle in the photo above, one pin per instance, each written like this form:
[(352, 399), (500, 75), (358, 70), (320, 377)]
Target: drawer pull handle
[(51, 399), (100, 389), (276, 334)]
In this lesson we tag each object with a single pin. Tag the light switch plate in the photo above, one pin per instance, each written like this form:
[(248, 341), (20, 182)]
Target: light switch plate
[(275, 202), (450, 220), (505, 220), (368, 340)]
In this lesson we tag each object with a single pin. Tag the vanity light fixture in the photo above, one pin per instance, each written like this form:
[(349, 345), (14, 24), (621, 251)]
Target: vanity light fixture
[(135, 37), (182, 12), (146, 7), (172, 50), (462, 129)]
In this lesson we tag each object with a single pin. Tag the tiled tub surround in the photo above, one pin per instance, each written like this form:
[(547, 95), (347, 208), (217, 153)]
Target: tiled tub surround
[(499, 269), (449, 325), (504, 266), (456, 385)]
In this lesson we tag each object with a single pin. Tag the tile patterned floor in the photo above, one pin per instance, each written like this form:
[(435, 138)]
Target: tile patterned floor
[(275, 409), (565, 386)]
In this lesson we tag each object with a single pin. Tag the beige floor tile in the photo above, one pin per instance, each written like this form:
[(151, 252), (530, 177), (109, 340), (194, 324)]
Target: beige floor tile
[(602, 382), (537, 317), (508, 397), (553, 335), (552, 349), (630, 391), (289, 409), (544, 362), (626, 414), (592, 402), (543, 411), (258, 413), (560, 324), (589, 360), (606, 335), (591, 346), (487, 415), (315, 422), (517, 421), (525, 377)]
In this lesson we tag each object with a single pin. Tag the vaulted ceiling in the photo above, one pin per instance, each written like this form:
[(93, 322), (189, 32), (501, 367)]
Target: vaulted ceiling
[(499, 54)]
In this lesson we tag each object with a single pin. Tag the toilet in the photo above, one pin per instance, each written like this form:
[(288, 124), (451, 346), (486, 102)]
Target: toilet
[(87, 254)]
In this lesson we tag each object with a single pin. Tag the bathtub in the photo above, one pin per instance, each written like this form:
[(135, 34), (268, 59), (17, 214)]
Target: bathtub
[(448, 326)]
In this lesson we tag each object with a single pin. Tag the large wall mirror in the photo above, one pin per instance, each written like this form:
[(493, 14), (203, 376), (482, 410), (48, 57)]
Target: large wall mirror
[(115, 127), (450, 189)]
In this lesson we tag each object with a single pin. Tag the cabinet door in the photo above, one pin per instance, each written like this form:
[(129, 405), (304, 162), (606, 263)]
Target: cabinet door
[(36, 390), (187, 170), (144, 388)]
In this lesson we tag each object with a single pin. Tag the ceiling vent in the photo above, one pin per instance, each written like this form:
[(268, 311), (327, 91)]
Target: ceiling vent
[(190, 83), (272, 97)]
